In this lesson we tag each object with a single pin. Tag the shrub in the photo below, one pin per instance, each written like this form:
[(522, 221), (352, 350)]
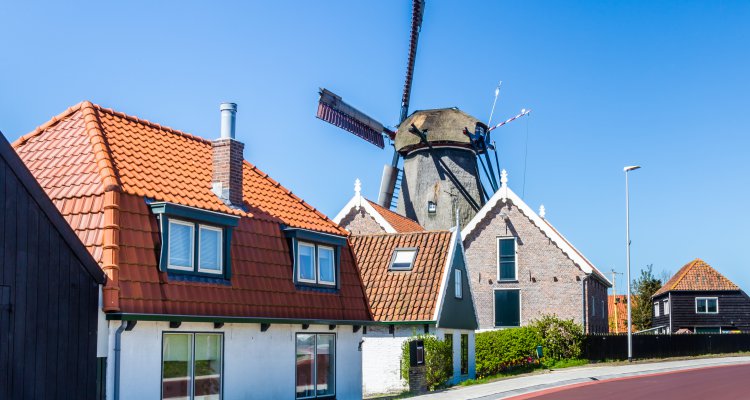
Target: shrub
[(438, 359), (499, 351), (562, 339)]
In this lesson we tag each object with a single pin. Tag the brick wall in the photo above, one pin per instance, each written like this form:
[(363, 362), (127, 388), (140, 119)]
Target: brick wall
[(549, 282), (227, 168), (360, 222)]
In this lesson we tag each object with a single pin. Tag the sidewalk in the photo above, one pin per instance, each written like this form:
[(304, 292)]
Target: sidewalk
[(515, 386)]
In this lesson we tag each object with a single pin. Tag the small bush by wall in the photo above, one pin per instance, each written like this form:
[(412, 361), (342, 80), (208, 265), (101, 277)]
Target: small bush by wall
[(499, 351), (438, 360), (562, 339)]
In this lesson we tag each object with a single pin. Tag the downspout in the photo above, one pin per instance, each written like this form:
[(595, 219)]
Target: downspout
[(118, 345), (583, 303)]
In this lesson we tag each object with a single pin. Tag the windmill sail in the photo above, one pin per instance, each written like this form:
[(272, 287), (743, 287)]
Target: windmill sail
[(336, 112)]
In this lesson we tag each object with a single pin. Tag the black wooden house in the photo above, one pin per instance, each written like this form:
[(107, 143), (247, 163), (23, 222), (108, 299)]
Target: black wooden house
[(49, 288), (698, 299)]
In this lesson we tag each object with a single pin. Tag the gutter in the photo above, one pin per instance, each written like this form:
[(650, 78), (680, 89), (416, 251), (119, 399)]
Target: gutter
[(238, 320), (583, 303)]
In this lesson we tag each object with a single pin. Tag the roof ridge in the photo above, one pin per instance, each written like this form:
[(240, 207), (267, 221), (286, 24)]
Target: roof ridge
[(151, 124), (99, 146), (41, 128), (403, 233), (289, 193), (685, 269)]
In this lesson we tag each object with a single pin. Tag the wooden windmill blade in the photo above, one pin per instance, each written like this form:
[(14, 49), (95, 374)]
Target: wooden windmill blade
[(332, 109)]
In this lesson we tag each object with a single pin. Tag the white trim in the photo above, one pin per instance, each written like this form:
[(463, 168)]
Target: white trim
[(520, 307), (505, 194), (220, 250), (314, 261), (666, 306), (656, 309), (355, 203), (446, 276), (333, 264), (707, 298), (192, 245), (515, 257)]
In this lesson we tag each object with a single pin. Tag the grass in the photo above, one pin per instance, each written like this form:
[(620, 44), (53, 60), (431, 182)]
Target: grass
[(526, 370)]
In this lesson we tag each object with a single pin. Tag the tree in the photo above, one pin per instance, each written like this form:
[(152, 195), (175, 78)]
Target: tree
[(643, 288)]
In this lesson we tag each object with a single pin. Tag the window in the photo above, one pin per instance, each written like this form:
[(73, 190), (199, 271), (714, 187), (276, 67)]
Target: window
[(506, 259), (507, 307), (656, 309), (706, 305), (181, 240), (709, 329), (182, 245), (194, 241), (192, 366), (449, 341), (666, 307), (431, 207), (593, 307), (316, 264), (315, 360), (403, 259), (464, 354), (209, 253), (459, 284)]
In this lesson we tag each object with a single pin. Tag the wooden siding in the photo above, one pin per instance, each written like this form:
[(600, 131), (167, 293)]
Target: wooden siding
[(48, 297), (734, 311)]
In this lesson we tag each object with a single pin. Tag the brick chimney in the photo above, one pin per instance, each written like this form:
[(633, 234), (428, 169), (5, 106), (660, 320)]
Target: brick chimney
[(228, 159)]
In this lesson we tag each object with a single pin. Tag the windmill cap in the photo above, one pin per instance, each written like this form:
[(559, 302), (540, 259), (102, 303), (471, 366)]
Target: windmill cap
[(444, 126)]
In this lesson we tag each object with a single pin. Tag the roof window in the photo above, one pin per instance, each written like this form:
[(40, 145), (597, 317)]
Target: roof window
[(403, 259)]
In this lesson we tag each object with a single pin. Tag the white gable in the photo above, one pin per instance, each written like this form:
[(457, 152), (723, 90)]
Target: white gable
[(505, 194), (358, 202)]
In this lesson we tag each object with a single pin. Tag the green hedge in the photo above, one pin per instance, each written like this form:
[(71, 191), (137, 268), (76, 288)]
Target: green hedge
[(502, 350), (438, 359), (498, 351)]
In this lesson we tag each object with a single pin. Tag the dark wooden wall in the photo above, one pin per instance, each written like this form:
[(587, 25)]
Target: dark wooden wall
[(734, 311), (48, 300)]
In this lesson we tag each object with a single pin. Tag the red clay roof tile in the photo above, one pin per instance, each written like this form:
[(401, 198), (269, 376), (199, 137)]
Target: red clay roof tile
[(400, 223), (697, 275)]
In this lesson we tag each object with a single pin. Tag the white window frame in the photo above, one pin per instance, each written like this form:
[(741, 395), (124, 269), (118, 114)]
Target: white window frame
[(191, 362), (656, 309), (317, 264), (458, 285), (314, 261), (666, 306), (315, 369), (706, 300), (220, 250), (520, 307), (515, 258), (191, 225), (411, 263)]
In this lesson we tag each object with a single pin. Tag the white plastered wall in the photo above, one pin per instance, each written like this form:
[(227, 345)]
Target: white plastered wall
[(257, 365)]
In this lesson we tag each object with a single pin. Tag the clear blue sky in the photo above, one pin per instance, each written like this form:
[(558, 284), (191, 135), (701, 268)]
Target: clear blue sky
[(661, 84)]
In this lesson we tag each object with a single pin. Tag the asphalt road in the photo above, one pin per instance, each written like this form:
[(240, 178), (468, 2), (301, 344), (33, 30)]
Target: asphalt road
[(710, 383)]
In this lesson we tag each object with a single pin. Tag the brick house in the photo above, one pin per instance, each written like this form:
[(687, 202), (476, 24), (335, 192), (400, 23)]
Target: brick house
[(522, 268), (416, 283), (221, 282), (361, 216), (699, 299)]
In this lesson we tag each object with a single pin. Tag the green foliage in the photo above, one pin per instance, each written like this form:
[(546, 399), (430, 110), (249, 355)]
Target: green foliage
[(499, 351), (562, 339), (643, 288), (438, 360)]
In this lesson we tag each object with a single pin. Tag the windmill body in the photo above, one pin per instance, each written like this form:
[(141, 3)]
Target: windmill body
[(440, 171)]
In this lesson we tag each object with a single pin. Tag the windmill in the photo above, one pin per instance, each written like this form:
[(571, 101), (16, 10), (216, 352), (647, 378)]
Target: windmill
[(441, 150)]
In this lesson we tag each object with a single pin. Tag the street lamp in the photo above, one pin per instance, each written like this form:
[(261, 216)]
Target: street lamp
[(627, 239)]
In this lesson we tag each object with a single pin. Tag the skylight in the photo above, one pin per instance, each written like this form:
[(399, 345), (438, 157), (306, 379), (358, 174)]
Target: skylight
[(403, 259)]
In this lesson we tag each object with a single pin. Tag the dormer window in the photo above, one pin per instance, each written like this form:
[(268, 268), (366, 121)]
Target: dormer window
[(403, 259), (194, 241), (316, 257)]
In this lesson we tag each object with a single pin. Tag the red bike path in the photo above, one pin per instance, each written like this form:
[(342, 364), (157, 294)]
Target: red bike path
[(731, 382)]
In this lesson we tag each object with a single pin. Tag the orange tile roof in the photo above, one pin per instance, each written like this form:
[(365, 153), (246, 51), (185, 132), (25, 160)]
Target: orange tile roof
[(400, 223), (402, 295), (99, 166), (697, 275), (619, 307)]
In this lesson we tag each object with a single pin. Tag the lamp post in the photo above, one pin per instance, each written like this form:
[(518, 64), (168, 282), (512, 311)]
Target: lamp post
[(627, 239)]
